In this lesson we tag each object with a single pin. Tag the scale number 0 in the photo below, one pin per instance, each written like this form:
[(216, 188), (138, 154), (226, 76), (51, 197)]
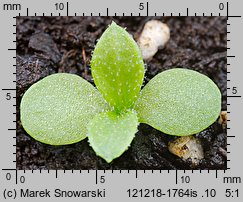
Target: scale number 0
[(221, 6), (9, 177)]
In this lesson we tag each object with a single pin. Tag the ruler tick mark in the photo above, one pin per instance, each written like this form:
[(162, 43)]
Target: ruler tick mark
[(176, 176), (67, 8), (147, 8), (9, 89), (227, 10), (234, 16), (233, 96), (16, 173)]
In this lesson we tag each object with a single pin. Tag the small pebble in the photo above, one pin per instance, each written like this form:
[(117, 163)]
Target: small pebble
[(223, 118), (155, 34), (43, 42), (187, 147)]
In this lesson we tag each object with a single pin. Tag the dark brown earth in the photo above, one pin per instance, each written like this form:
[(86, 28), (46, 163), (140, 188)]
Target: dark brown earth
[(46, 45)]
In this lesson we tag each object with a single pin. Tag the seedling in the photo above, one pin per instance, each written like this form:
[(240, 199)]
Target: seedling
[(64, 108)]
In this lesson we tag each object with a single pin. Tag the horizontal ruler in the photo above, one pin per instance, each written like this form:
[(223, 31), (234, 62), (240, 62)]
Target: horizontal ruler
[(137, 8), (123, 185)]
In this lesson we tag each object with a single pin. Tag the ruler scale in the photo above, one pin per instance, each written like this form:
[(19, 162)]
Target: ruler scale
[(120, 185)]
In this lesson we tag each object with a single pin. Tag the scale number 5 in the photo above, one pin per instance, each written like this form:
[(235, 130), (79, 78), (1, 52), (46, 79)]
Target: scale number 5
[(141, 6), (8, 96), (234, 90), (102, 179)]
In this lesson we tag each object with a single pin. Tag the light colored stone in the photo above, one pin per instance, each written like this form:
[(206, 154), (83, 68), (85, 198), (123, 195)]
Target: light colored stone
[(155, 34), (187, 147), (223, 118)]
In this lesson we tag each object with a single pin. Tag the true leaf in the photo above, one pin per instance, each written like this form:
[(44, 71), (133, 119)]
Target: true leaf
[(57, 109), (179, 102), (111, 134), (117, 67)]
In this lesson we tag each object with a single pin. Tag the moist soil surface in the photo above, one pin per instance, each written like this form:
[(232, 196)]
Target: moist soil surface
[(47, 45)]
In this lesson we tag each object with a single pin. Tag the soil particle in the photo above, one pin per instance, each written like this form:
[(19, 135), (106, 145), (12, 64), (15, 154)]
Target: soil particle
[(31, 68), (47, 45), (43, 43)]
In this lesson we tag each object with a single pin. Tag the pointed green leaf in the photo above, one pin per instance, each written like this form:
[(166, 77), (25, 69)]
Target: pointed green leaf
[(117, 67), (57, 109), (179, 102), (111, 134)]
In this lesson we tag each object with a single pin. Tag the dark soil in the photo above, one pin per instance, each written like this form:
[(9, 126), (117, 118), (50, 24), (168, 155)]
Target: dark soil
[(47, 45)]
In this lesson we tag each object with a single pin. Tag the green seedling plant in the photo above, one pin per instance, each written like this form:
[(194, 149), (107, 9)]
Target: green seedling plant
[(64, 108)]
